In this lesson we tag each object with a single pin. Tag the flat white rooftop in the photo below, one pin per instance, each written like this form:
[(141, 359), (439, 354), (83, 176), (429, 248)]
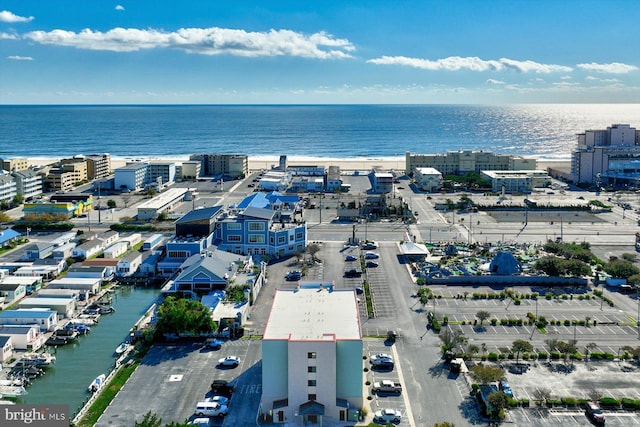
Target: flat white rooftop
[(314, 313)]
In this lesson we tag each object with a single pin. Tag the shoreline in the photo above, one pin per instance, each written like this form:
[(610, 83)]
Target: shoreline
[(257, 163)]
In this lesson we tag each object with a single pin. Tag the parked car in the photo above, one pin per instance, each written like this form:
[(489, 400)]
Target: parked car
[(367, 246), (505, 388), (293, 275), (359, 290), (385, 416), (214, 344), (231, 361), (352, 273), (594, 413), (200, 421), (210, 409), (350, 258), (372, 264), (222, 387), (380, 357), (371, 255), (219, 399)]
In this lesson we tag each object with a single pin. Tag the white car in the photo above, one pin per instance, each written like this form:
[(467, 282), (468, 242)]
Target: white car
[(385, 416), (381, 358), (202, 422), (371, 255), (219, 399), (231, 361)]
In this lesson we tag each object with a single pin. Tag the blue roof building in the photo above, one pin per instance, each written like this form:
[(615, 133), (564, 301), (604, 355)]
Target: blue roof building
[(7, 235)]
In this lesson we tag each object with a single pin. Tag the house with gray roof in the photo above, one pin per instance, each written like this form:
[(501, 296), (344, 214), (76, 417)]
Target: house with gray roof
[(23, 337), (203, 273), (45, 319)]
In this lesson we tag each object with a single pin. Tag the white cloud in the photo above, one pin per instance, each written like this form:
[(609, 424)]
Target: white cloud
[(612, 68), (205, 41), (566, 77), (6, 16), (7, 36), (494, 82), (20, 58), (598, 79), (119, 7), (472, 63)]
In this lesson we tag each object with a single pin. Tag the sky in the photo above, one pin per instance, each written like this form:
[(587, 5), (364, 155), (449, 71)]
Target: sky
[(319, 52)]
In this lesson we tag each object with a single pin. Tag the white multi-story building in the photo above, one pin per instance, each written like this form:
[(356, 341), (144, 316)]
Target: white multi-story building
[(312, 355), (132, 176), (428, 179), (460, 162), (608, 157), (516, 181), (8, 188), (29, 183), (160, 174)]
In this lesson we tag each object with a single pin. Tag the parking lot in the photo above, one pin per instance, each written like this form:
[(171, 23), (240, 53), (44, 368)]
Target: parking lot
[(182, 374)]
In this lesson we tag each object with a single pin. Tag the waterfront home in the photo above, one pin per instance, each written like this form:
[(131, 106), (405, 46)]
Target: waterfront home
[(76, 294), (64, 251), (6, 348), (23, 337), (57, 265), (211, 270), (88, 284), (42, 272), (109, 237), (94, 271), (45, 319), (64, 306), (129, 264)]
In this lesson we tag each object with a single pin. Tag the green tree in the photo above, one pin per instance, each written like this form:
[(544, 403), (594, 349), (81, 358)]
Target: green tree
[(498, 401), (444, 424), (18, 199), (4, 217), (487, 374), (313, 249), (182, 315), (452, 339), (520, 346), (483, 315), (149, 420), (621, 269), (111, 203)]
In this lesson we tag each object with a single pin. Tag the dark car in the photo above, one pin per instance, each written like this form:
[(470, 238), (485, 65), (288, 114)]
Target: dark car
[(293, 275), (214, 344), (350, 258), (222, 388), (594, 413), (352, 273), (372, 264)]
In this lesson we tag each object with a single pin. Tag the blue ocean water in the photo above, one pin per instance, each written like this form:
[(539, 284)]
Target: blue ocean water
[(302, 131)]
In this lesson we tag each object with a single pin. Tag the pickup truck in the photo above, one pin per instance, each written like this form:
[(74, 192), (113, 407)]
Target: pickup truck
[(387, 386)]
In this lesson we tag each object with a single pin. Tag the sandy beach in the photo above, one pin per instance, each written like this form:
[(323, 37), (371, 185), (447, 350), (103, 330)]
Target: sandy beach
[(259, 163)]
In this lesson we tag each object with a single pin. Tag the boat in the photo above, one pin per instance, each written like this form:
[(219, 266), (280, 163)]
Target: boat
[(97, 384), (8, 389), (38, 359), (123, 347)]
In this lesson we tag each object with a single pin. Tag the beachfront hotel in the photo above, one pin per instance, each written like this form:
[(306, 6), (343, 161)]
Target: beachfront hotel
[(460, 162), (312, 356), (608, 156)]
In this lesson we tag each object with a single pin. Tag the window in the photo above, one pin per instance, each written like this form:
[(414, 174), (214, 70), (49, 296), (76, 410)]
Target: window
[(311, 369), (299, 235), (291, 238), (311, 383), (311, 397), (256, 226), (234, 226), (311, 355), (256, 238), (282, 239), (234, 238)]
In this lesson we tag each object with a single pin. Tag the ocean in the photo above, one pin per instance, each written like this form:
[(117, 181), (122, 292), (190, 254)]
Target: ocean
[(543, 131)]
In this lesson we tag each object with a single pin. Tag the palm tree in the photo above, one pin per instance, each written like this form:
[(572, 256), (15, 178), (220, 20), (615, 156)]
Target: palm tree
[(483, 315)]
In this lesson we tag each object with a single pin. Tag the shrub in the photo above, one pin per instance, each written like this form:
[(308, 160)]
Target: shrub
[(555, 355), (494, 321), (516, 301), (542, 355), (493, 356), (567, 322), (628, 403), (569, 401), (548, 295), (524, 403), (609, 402)]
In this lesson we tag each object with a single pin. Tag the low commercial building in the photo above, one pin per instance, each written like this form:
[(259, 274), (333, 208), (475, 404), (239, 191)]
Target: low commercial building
[(508, 182), (39, 250), (381, 182), (164, 202), (312, 356)]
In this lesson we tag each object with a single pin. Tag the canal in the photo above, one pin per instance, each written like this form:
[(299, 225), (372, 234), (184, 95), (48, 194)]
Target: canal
[(78, 364)]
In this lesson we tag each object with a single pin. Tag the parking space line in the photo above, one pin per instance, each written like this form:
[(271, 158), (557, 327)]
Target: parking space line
[(404, 395)]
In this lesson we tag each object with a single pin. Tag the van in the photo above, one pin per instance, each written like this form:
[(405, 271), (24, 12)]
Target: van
[(210, 409)]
